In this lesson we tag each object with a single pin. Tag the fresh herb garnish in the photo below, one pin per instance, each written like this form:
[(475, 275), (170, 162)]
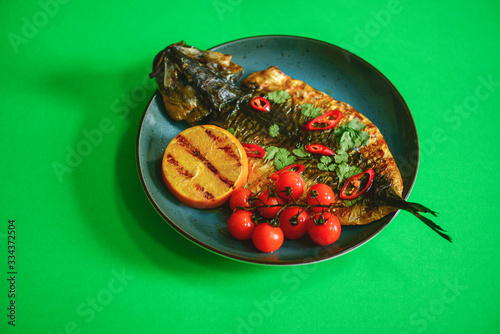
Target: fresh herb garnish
[(274, 130), (271, 152), (301, 152), (349, 136), (344, 171), (354, 124), (283, 158), (325, 164), (345, 142), (278, 96), (308, 110), (232, 131), (339, 166), (280, 156), (352, 135), (351, 202), (340, 157)]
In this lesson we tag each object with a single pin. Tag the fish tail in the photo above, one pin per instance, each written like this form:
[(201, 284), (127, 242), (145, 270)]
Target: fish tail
[(432, 225), (421, 208), (416, 209)]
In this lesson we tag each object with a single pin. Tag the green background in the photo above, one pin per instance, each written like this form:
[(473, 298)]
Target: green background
[(92, 254)]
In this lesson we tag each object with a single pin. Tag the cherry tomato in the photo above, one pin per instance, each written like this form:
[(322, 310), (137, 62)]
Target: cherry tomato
[(241, 225), (293, 222), (267, 238), (299, 168), (290, 181), (320, 193), (266, 199), (240, 197), (324, 229)]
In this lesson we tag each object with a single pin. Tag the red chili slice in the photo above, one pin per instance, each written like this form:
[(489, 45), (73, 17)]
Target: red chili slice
[(324, 120), (355, 181), (260, 103), (319, 149), (254, 151), (298, 168)]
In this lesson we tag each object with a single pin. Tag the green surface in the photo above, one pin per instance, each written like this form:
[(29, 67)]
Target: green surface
[(93, 256)]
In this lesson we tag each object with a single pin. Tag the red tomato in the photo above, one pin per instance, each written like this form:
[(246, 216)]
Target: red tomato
[(293, 222), (325, 233), (324, 195), (267, 238), (240, 197), (266, 199), (290, 181), (241, 225)]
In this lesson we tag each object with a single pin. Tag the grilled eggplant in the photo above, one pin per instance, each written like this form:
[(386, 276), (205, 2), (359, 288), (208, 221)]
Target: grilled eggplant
[(201, 86)]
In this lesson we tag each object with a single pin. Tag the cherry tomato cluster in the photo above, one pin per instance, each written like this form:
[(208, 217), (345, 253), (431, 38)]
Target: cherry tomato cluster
[(273, 215)]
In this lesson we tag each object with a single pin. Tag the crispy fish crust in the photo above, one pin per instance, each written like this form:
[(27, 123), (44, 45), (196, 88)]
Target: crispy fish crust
[(376, 152)]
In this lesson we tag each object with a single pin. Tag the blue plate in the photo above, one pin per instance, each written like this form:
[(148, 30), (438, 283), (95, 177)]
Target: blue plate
[(326, 67)]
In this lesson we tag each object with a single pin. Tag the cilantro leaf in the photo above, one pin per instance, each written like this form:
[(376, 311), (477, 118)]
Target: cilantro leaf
[(362, 138), (356, 124), (278, 96), (301, 152), (351, 202), (282, 153), (338, 165), (346, 142), (352, 134), (341, 171), (325, 167), (353, 170), (341, 156), (270, 152), (274, 130), (344, 171), (325, 159), (325, 164), (322, 166), (308, 110), (232, 131), (283, 158), (279, 164)]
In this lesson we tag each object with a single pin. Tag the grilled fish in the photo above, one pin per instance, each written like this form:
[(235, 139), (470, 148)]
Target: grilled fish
[(201, 86)]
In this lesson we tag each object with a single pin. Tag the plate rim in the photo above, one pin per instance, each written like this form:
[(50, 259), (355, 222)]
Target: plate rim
[(390, 217)]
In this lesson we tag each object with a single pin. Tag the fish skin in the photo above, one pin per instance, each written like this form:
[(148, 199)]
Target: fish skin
[(214, 98), (372, 207), (194, 83)]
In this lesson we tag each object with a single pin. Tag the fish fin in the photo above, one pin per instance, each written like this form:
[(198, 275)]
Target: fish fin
[(432, 225), (421, 208), (416, 209)]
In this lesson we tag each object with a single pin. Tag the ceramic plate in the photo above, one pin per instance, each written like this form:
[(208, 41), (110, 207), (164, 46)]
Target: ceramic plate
[(326, 67)]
